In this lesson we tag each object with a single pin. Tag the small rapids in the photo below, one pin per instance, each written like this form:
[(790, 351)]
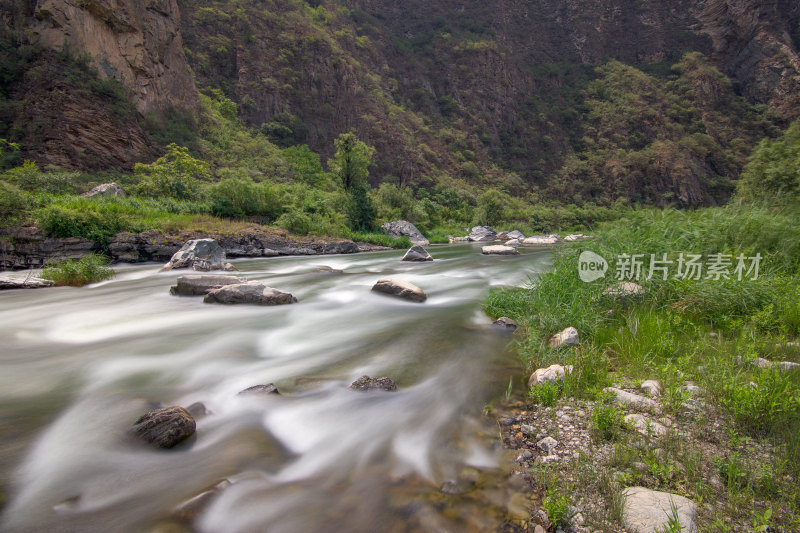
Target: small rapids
[(80, 365)]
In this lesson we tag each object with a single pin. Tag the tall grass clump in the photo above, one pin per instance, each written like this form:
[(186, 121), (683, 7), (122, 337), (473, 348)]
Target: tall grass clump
[(77, 273)]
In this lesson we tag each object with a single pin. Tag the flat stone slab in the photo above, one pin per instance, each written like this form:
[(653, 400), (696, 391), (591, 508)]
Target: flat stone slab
[(499, 250), (9, 282), (200, 285), (401, 289), (634, 400), (649, 511)]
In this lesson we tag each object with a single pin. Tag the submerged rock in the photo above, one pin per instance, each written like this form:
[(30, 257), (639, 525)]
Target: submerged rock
[(401, 289), (191, 509), (248, 293), (566, 337), (647, 511), (165, 428), (401, 228), (482, 234), (505, 323), (269, 388), (199, 285), (366, 383), (499, 250), (202, 255), (417, 253)]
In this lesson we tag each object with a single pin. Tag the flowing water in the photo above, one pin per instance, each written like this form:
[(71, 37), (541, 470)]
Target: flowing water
[(79, 365)]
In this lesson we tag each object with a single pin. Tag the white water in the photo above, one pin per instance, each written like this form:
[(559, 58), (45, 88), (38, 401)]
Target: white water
[(80, 365)]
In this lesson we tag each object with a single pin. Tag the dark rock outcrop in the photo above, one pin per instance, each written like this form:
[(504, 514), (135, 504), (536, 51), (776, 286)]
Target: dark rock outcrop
[(165, 428), (366, 383), (248, 293)]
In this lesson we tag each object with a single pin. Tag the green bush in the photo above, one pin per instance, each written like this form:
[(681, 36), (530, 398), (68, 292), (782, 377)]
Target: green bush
[(296, 222), (89, 269), (13, 202), (545, 394), (241, 197), (62, 221)]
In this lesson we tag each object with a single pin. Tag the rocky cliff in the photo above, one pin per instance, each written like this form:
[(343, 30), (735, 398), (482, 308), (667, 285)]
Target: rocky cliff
[(136, 42)]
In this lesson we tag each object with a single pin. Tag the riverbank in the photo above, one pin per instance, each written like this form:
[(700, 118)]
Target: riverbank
[(722, 346), (25, 247)]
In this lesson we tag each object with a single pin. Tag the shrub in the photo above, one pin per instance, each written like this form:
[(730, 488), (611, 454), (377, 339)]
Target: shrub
[(296, 222), (544, 394), (62, 221), (89, 269), (241, 197), (607, 420), (13, 202)]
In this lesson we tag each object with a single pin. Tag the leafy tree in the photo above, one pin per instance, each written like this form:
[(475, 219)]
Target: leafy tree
[(176, 174), (773, 173), (491, 207), (350, 165)]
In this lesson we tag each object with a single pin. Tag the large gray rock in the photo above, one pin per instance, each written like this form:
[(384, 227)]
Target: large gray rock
[(516, 234), (541, 239), (648, 511), (199, 285), (566, 337), (248, 293), (499, 250), (482, 234), (551, 374), (165, 428), (400, 228), (106, 189), (401, 289), (202, 255), (417, 253)]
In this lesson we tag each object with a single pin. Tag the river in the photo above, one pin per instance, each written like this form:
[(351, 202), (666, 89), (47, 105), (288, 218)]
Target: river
[(79, 365)]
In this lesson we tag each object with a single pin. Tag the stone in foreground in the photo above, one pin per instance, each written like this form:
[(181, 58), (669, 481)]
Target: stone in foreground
[(165, 428), (547, 445), (269, 388), (634, 400), (202, 255), (482, 234), (401, 289), (106, 189), (566, 337), (248, 293), (649, 511), (417, 253), (366, 383), (551, 374), (400, 228), (652, 388), (499, 250), (199, 285), (505, 323)]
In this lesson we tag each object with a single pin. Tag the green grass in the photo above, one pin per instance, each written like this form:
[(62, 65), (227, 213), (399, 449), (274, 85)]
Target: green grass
[(77, 273), (381, 239)]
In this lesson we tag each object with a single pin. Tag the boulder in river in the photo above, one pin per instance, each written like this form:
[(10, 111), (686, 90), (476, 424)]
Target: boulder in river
[(165, 428), (516, 234), (401, 228), (401, 289), (19, 282), (366, 383), (106, 189), (482, 234), (514, 243), (198, 285), (566, 337), (269, 388), (248, 293), (541, 239), (202, 255), (417, 253), (499, 250)]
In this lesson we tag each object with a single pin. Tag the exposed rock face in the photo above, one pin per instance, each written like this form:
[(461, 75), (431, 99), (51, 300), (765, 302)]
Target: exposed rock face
[(366, 383), (482, 234), (201, 285), (400, 228), (417, 253), (106, 189), (165, 428), (564, 338), (26, 247), (137, 43), (401, 289), (499, 250), (202, 255), (248, 293), (648, 511)]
